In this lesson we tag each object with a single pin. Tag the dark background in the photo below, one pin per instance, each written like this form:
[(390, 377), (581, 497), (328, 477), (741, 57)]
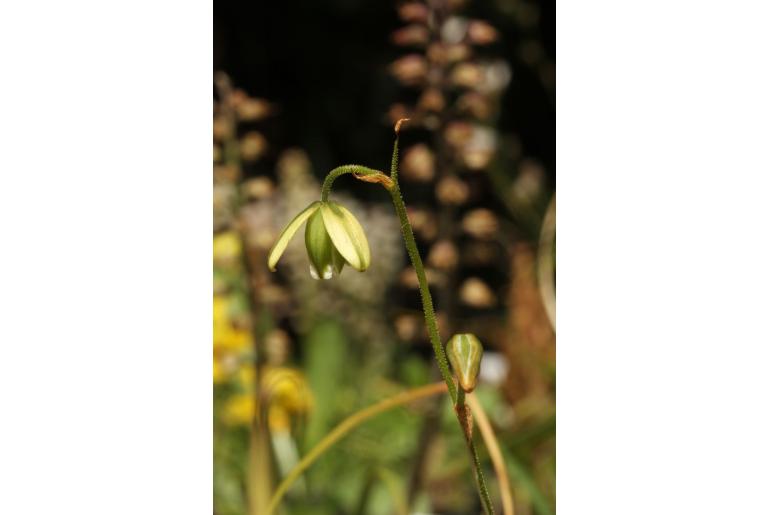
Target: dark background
[(324, 63)]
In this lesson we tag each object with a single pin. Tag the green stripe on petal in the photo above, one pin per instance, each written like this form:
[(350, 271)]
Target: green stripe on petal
[(464, 352), (283, 240), (347, 235), (337, 260), (319, 246)]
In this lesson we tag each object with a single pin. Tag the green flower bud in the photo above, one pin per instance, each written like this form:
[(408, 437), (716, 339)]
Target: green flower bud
[(464, 352), (333, 237)]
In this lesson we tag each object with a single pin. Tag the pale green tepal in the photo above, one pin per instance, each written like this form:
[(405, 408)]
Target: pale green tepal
[(333, 237), (464, 352)]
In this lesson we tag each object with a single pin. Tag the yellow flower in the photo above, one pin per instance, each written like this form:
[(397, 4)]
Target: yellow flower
[(278, 419), (220, 311), (226, 364), (227, 248), (230, 343), (232, 339), (288, 394), (220, 374), (285, 389), (226, 336), (246, 377), (239, 409)]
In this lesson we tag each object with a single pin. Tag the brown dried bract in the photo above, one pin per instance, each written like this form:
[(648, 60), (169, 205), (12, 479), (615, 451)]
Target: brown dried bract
[(466, 419), (377, 178)]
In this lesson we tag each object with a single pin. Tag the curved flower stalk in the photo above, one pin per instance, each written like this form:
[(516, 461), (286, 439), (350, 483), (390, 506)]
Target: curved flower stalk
[(333, 238)]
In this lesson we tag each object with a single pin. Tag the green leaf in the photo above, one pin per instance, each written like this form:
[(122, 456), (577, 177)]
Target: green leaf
[(326, 353), (283, 240), (523, 478)]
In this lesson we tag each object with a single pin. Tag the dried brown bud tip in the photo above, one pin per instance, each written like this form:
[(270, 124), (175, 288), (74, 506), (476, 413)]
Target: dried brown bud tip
[(377, 178)]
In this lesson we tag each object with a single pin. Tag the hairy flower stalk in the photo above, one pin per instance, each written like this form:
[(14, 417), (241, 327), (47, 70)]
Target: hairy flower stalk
[(336, 230)]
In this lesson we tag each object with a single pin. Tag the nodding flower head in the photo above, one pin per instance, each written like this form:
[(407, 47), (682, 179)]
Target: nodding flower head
[(333, 238)]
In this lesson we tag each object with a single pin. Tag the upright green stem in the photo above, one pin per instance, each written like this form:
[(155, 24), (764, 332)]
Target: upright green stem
[(480, 483), (495, 454), (425, 296), (464, 417), (458, 396)]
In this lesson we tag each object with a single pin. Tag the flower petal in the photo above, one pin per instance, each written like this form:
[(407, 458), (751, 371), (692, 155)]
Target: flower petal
[(319, 247), (283, 240), (337, 260), (347, 235)]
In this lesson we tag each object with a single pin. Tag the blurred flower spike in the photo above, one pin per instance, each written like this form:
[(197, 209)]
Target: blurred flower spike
[(464, 352), (333, 238)]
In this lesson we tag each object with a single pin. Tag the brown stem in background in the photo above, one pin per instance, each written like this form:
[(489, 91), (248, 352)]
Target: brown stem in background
[(427, 432), (545, 263), (232, 157), (259, 472)]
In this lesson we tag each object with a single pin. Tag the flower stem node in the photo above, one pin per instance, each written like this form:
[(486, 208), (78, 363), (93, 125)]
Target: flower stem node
[(333, 238), (464, 352)]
